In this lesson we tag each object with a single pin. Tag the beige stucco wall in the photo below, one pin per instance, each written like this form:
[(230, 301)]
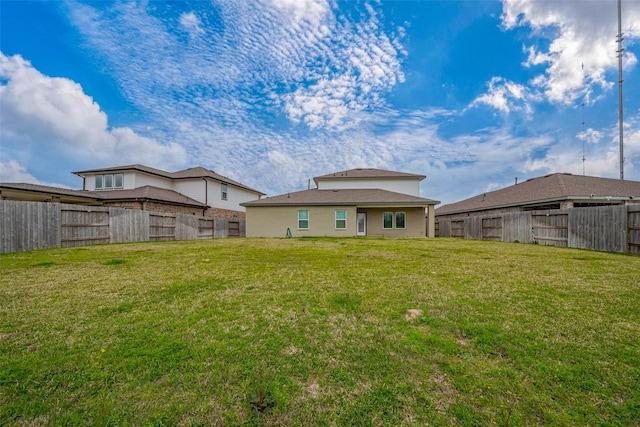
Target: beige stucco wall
[(268, 221)]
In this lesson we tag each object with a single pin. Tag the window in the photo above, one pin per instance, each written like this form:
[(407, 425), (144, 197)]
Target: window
[(108, 181), (400, 219), (118, 180), (341, 219), (387, 221), (303, 220), (224, 191)]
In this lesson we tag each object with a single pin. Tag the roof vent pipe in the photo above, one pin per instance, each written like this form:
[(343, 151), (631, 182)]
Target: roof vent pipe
[(516, 180)]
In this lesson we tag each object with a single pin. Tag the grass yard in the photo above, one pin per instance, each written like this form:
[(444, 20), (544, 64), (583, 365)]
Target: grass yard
[(289, 332)]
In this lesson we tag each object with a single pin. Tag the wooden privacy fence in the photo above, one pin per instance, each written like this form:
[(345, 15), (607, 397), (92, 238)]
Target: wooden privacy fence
[(602, 228), (26, 226)]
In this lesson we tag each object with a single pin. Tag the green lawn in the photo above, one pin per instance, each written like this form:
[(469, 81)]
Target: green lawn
[(319, 332)]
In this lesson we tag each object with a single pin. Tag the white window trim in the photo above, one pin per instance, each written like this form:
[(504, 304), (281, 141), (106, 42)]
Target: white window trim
[(308, 219), (224, 191), (336, 219)]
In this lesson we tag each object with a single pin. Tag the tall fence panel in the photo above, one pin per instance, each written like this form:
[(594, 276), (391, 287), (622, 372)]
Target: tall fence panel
[(602, 228), (162, 227), (516, 227), (82, 225), (550, 228), (187, 227), (492, 228), (128, 225), (205, 228), (28, 226)]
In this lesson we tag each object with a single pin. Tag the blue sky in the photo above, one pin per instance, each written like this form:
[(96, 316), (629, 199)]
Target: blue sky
[(471, 94)]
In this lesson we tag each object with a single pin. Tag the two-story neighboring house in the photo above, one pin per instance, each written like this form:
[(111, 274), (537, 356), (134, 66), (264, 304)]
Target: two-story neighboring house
[(187, 191), (355, 202)]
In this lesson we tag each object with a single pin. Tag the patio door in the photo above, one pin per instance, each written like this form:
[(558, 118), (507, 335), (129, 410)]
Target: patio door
[(361, 229)]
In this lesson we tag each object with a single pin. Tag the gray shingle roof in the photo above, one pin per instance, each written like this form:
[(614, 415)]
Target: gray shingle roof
[(195, 172), (549, 188), (146, 192), (364, 173), (149, 193), (354, 197), (46, 189)]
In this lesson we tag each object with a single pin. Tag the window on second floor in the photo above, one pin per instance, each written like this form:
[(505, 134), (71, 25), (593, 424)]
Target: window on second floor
[(109, 181), (224, 191)]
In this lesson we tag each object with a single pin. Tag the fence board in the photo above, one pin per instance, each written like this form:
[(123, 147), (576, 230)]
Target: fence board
[(633, 229), (205, 228), (25, 227), (128, 225), (162, 227), (602, 228), (492, 228), (550, 228), (187, 227), (83, 225), (516, 227)]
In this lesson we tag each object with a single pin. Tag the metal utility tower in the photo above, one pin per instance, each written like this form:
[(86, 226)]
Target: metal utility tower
[(619, 51)]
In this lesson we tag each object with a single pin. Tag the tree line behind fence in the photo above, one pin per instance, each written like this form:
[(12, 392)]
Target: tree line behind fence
[(602, 228), (26, 226)]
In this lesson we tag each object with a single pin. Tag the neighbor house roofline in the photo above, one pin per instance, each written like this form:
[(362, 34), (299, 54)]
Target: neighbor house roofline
[(195, 172), (343, 197), (547, 189), (367, 173)]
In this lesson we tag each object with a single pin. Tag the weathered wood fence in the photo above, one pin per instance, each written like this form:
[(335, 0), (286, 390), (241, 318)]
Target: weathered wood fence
[(603, 228), (26, 226)]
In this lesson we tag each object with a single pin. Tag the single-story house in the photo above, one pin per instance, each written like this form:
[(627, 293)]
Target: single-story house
[(553, 191), (356, 202), (193, 191)]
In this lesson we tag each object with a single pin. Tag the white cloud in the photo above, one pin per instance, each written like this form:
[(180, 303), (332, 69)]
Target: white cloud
[(317, 68), (49, 116), (191, 23), (581, 33), (590, 136), (505, 96)]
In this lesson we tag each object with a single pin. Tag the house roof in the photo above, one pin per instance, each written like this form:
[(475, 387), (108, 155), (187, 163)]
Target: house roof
[(200, 172), (149, 192), (195, 172), (550, 188), (92, 197), (368, 173), (355, 197), (20, 190)]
